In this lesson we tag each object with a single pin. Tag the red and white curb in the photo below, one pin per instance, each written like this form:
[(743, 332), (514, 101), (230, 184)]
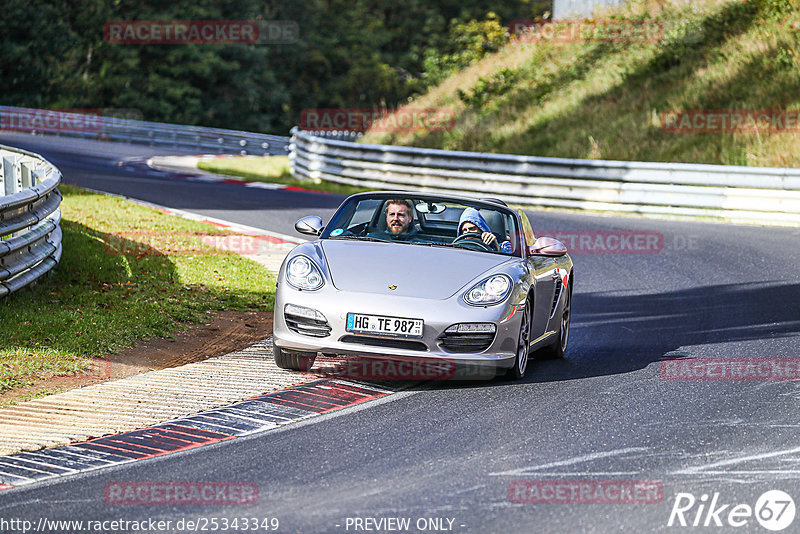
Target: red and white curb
[(254, 415)]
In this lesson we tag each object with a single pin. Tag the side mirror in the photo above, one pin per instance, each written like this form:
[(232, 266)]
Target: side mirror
[(311, 225), (548, 246)]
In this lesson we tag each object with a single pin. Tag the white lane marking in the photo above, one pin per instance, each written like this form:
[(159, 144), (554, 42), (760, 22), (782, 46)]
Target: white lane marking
[(732, 461), (473, 488), (586, 473), (264, 185), (753, 472), (571, 461), (208, 179)]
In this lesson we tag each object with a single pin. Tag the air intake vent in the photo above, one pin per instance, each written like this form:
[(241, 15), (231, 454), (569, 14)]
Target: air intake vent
[(466, 342), (556, 295), (306, 326)]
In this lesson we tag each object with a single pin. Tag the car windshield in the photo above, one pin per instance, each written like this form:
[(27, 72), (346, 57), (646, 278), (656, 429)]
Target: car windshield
[(427, 221)]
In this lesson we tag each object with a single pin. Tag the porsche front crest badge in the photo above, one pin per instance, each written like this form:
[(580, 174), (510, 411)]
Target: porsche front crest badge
[(392, 287)]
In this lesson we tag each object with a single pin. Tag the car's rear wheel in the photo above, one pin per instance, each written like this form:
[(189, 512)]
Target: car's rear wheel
[(523, 345), (296, 361), (559, 346)]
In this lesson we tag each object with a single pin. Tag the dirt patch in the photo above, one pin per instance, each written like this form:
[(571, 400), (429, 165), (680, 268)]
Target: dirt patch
[(222, 333)]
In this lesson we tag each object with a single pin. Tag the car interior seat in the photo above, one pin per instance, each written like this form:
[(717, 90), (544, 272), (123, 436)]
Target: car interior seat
[(496, 222)]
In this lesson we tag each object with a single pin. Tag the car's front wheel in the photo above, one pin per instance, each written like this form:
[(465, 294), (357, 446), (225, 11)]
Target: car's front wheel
[(296, 361), (523, 344)]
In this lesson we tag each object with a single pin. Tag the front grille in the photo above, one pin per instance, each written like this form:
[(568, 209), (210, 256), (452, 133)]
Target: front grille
[(306, 326), (466, 342), (385, 342)]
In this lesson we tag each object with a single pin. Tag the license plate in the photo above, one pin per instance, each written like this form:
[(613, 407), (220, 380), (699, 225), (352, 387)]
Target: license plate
[(383, 325)]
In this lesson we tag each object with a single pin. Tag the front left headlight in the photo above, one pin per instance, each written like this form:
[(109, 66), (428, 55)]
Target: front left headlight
[(302, 273), (493, 290)]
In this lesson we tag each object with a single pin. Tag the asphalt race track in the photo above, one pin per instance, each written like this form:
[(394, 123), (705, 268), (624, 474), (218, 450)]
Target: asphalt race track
[(481, 457), (94, 165)]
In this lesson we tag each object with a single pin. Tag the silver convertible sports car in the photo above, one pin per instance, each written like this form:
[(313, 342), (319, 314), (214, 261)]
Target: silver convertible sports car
[(423, 278)]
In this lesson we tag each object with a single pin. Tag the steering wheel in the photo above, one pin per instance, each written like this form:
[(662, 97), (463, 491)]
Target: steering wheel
[(474, 241)]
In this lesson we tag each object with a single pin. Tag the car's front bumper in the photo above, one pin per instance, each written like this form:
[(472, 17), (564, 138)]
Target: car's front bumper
[(437, 315)]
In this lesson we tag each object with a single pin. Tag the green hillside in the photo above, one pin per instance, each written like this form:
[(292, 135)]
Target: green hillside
[(607, 100)]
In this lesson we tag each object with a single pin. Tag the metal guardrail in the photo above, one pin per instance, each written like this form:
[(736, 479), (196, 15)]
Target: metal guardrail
[(339, 135), (109, 128), (739, 194), (30, 236)]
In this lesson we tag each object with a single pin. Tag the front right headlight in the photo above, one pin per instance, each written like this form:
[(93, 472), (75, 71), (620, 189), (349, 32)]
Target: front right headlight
[(302, 273), (492, 290)]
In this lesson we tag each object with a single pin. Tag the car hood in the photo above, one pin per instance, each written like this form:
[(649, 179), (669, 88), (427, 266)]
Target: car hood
[(416, 270)]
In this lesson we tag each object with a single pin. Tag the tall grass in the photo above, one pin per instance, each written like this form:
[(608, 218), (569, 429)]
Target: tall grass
[(604, 100)]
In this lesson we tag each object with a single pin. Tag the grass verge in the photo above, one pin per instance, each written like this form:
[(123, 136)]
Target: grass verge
[(127, 273), (271, 169)]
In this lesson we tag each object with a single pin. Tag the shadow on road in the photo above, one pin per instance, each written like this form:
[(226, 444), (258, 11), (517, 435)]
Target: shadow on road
[(616, 334)]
